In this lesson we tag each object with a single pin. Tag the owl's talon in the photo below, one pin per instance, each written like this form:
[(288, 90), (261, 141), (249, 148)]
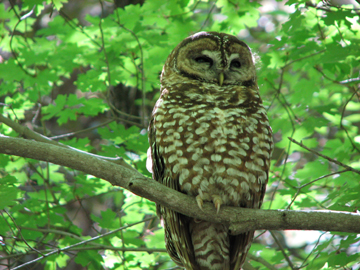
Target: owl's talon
[(217, 202), (199, 202), (217, 206)]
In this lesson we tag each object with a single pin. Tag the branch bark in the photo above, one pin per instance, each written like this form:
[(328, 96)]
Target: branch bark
[(238, 219)]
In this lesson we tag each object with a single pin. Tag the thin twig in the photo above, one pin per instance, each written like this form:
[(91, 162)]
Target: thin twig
[(315, 246), (286, 107), (80, 243), (78, 28), (340, 34), (97, 247), (348, 81), (103, 43), (208, 16), (326, 157), (21, 236), (141, 69), (328, 6), (11, 41), (114, 109), (283, 251), (311, 182), (341, 120), (302, 58), (81, 131), (184, 13), (125, 114), (260, 260), (277, 89), (290, 110)]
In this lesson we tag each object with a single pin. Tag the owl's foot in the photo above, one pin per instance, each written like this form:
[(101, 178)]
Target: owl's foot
[(217, 202), (199, 202)]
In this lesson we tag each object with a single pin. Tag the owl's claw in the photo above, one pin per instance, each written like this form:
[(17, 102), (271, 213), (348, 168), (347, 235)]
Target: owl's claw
[(217, 202), (199, 202)]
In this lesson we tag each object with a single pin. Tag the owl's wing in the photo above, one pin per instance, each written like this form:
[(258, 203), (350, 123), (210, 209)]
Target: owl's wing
[(176, 225), (240, 244)]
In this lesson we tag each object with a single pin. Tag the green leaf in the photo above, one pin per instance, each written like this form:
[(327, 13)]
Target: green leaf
[(342, 259), (8, 191), (59, 3), (108, 220), (53, 110), (89, 257)]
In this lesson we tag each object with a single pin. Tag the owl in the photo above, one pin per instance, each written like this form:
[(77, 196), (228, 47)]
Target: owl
[(209, 138)]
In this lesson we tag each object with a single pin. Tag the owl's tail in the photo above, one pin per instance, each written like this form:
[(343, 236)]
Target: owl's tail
[(211, 245)]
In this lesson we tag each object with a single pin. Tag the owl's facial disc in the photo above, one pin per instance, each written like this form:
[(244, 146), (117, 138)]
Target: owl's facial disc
[(216, 68), (215, 61)]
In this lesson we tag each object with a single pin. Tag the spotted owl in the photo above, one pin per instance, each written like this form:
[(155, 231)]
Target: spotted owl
[(209, 138)]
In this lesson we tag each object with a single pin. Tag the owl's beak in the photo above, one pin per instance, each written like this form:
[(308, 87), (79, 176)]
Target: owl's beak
[(221, 78)]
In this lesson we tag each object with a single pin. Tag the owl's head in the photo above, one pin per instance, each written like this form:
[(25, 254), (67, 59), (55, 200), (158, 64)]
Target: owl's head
[(212, 57)]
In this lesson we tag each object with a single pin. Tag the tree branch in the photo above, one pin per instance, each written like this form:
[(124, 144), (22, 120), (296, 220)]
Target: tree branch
[(28, 133), (238, 219)]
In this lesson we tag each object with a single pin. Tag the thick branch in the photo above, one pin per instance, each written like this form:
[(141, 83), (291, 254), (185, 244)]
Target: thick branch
[(30, 134), (239, 219)]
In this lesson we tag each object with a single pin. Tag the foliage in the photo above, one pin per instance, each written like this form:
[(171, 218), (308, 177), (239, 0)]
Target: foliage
[(95, 79)]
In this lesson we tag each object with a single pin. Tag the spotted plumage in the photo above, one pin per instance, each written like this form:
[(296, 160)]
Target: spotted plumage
[(209, 138)]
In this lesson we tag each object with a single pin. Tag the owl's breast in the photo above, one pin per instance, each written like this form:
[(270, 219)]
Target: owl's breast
[(214, 151)]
